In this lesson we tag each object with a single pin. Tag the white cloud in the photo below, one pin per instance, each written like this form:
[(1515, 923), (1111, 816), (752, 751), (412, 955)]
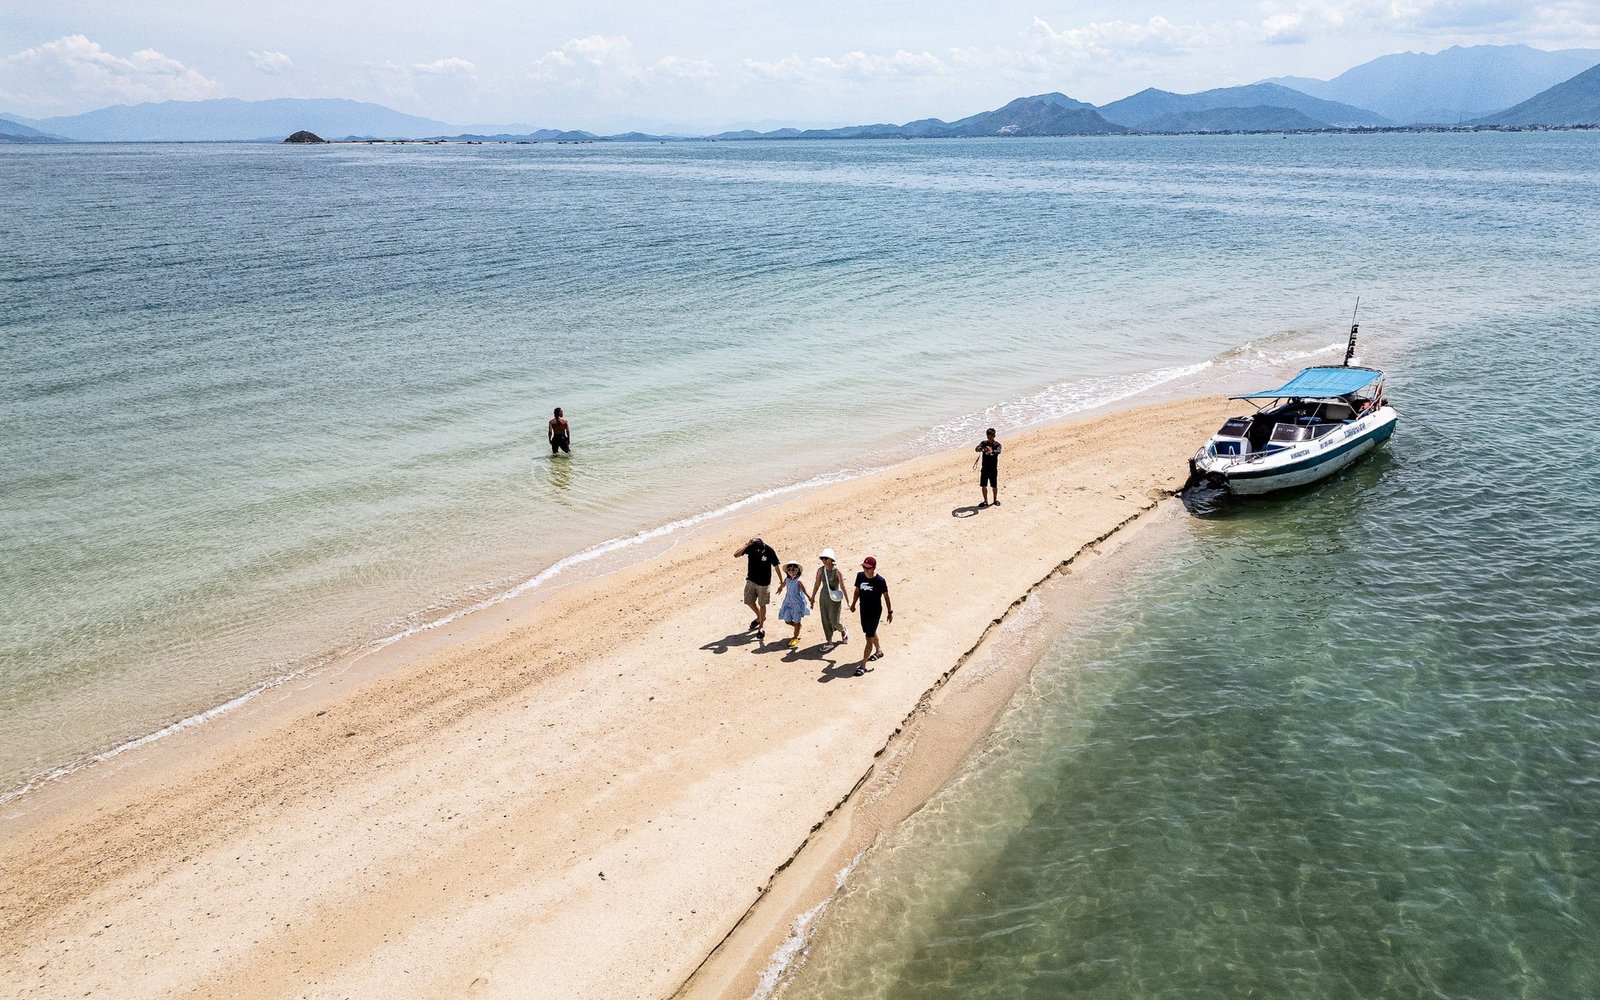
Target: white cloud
[(1041, 51), (270, 62), (1115, 40), (1040, 57), (73, 74), (1438, 23), (1566, 23), (608, 64), (452, 66), (1293, 24), (681, 69), (593, 52), (852, 65), (1458, 14), (419, 86)]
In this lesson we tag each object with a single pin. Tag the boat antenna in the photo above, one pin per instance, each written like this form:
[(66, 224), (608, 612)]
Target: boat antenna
[(1350, 349)]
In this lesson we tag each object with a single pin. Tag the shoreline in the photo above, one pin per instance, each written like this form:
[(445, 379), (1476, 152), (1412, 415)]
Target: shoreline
[(526, 592), (486, 808), (1116, 393), (949, 724)]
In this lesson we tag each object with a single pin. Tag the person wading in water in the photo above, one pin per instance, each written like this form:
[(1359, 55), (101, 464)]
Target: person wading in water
[(560, 434)]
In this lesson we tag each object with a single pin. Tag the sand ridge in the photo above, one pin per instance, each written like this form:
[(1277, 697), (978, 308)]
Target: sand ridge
[(580, 803)]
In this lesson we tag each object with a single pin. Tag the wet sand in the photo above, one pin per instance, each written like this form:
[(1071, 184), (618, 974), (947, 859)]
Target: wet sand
[(585, 799)]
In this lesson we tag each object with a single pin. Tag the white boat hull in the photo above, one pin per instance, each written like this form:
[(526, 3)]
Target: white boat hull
[(1300, 464)]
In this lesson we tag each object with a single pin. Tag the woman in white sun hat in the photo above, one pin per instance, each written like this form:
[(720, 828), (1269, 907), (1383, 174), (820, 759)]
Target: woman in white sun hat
[(827, 595)]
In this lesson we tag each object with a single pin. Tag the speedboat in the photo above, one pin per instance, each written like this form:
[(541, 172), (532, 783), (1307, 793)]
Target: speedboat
[(1317, 423)]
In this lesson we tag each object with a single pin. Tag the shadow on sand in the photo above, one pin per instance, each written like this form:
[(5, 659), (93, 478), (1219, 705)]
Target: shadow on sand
[(825, 654), (731, 641), (736, 640), (966, 511), (821, 653), (840, 671)]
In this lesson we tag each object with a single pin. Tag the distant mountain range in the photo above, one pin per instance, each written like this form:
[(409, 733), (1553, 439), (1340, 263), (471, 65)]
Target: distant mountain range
[(1260, 107), (1256, 119), (1572, 102), (230, 120), (1448, 87), (1534, 87), (542, 135), (1144, 110), (14, 131), (1042, 114)]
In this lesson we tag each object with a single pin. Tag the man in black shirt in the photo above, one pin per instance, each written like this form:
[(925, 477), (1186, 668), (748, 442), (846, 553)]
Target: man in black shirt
[(872, 593), (989, 457), (759, 562)]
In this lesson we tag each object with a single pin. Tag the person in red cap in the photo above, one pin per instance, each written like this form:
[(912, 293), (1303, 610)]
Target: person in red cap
[(872, 593)]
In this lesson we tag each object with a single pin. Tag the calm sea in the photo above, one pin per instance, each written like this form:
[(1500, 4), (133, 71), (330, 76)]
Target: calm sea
[(1339, 744), (262, 405)]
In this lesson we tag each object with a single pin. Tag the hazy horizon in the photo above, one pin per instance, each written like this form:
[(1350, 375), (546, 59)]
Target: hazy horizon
[(709, 65)]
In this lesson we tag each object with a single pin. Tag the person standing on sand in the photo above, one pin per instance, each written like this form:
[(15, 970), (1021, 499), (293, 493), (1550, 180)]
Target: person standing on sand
[(827, 596), (759, 561), (872, 592), (989, 456), (560, 434), (794, 607)]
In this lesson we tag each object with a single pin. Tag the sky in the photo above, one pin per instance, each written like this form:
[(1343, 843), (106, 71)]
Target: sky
[(613, 65)]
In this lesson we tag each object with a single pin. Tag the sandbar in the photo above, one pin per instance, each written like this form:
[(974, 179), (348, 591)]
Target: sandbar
[(587, 799)]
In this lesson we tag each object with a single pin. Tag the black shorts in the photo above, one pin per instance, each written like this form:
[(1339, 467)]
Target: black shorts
[(560, 443), (869, 623), (990, 476)]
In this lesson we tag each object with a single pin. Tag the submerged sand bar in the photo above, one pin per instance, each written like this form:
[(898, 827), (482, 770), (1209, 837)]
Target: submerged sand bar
[(581, 802)]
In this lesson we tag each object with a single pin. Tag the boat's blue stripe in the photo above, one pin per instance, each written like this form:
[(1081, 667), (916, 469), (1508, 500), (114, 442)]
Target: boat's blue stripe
[(1377, 436)]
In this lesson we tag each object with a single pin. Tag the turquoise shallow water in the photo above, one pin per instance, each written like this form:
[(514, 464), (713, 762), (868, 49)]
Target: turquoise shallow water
[(263, 404), (1344, 743)]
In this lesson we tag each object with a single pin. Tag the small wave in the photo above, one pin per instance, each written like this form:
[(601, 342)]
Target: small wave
[(1063, 399), (161, 734), (794, 946), (555, 570), (617, 544), (1054, 402)]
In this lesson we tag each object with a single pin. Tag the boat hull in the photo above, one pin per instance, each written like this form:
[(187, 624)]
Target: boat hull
[(1300, 465)]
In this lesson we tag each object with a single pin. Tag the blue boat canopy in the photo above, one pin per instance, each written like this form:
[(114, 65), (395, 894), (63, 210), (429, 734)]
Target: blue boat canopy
[(1321, 383)]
